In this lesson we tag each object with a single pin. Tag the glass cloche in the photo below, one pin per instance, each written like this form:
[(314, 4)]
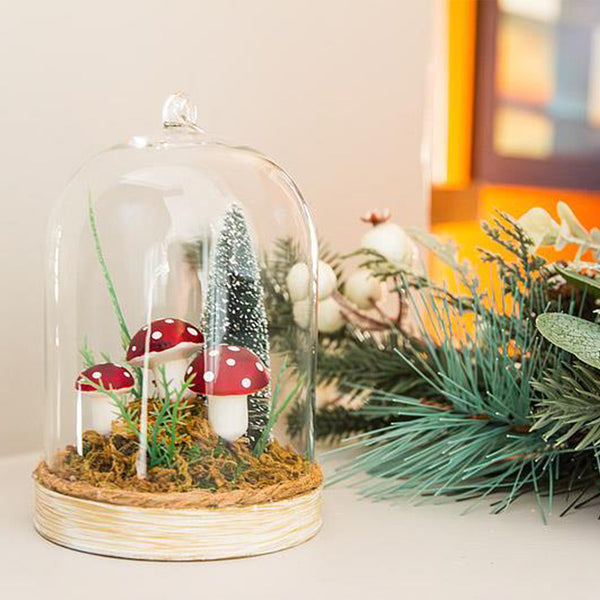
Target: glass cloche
[(180, 371)]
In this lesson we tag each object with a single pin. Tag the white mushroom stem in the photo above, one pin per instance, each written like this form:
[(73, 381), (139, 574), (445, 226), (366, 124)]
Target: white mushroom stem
[(79, 423), (175, 375), (228, 416), (101, 411)]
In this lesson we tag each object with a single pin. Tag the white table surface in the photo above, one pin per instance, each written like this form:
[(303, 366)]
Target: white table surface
[(365, 550)]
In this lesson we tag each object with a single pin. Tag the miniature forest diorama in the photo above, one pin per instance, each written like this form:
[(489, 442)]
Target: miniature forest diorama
[(168, 369)]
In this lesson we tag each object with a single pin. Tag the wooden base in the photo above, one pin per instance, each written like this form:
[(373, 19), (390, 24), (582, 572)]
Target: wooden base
[(176, 534)]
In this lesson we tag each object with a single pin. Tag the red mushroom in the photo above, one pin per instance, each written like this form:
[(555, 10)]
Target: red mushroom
[(93, 383), (226, 374), (171, 342)]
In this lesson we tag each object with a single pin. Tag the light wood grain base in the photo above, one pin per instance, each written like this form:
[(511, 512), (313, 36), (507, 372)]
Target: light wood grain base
[(176, 534)]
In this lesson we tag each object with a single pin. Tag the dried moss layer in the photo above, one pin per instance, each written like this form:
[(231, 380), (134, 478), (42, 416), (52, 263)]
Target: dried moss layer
[(204, 471)]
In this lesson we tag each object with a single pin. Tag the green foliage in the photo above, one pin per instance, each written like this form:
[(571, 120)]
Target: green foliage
[(368, 360), (459, 410), (505, 231), (445, 250), (524, 270), (436, 450), (470, 434), (569, 409), (332, 424), (87, 355), (276, 409), (488, 370), (125, 337), (169, 413), (573, 334)]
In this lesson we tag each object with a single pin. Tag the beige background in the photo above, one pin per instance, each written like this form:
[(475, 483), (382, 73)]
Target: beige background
[(334, 90)]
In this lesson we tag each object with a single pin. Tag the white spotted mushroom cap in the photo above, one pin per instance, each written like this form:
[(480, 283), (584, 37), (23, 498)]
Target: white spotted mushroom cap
[(107, 376), (227, 370), (168, 339)]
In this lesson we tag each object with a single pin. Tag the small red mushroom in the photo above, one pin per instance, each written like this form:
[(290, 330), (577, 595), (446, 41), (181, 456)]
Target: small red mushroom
[(226, 374), (107, 376), (170, 342), (91, 383)]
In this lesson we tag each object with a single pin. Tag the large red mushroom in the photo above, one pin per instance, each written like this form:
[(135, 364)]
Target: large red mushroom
[(94, 384), (170, 344), (226, 374)]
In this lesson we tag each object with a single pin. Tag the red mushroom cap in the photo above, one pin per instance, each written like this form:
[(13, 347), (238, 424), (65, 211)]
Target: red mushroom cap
[(227, 370), (165, 335), (106, 375)]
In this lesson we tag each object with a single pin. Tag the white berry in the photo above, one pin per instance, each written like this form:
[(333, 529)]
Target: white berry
[(301, 311), (330, 318), (297, 282), (298, 278), (392, 242), (327, 280), (363, 289)]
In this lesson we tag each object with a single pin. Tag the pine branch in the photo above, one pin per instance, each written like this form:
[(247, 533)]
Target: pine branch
[(364, 360), (431, 451), (333, 423), (471, 434), (456, 412)]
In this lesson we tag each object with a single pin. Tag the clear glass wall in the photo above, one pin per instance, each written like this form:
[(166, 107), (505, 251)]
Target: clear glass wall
[(169, 354)]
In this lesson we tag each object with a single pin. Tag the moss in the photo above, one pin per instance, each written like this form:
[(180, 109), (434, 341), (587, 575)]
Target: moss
[(201, 460)]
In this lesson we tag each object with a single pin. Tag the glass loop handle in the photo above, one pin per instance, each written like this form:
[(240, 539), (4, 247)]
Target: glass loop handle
[(179, 111)]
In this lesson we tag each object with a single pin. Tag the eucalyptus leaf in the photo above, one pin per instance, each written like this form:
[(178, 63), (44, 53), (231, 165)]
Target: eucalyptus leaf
[(580, 281), (445, 250), (575, 335)]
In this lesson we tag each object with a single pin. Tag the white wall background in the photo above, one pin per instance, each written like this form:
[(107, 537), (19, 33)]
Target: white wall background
[(332, 89)]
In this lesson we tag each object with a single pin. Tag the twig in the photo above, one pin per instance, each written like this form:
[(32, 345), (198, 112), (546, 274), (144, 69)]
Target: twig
[(358, 317)]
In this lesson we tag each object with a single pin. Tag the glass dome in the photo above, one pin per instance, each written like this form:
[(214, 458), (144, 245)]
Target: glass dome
[(171, 356)]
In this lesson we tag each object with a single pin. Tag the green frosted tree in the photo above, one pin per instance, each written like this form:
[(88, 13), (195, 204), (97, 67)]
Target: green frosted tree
[(234, 312)]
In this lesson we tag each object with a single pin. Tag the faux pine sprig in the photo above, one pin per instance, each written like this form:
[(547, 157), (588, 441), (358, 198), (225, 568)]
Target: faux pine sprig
[(125, 336), (478, 402), (471, 434)]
